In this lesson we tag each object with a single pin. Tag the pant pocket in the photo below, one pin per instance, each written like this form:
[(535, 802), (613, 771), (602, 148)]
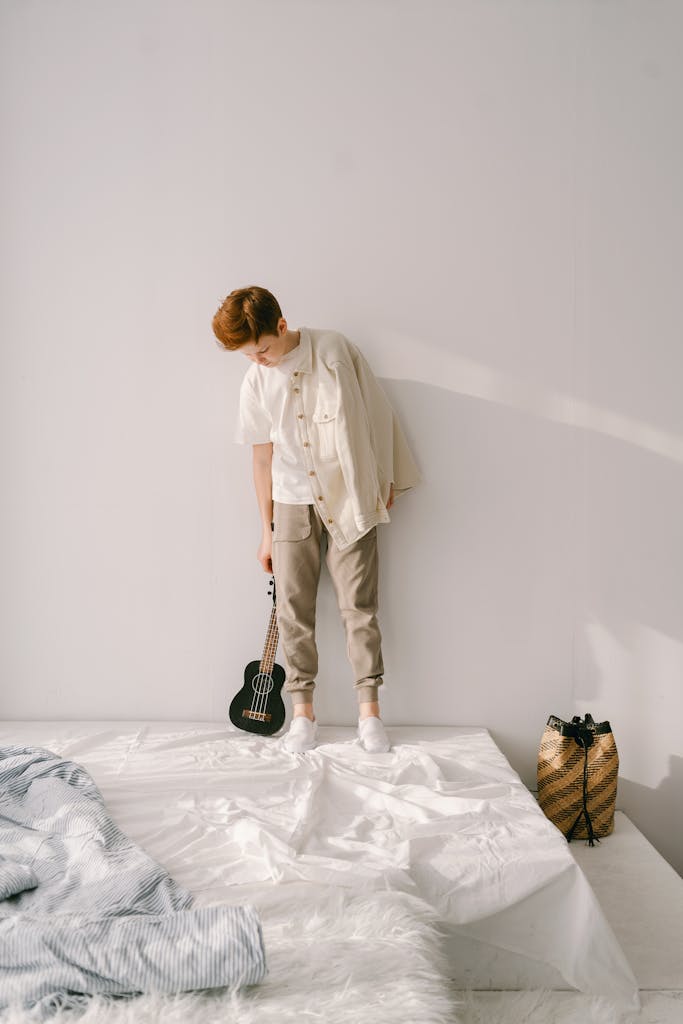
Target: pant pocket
[(291, 522)]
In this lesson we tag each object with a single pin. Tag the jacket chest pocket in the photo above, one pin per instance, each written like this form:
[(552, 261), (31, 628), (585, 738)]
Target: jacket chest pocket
[(324, 421)]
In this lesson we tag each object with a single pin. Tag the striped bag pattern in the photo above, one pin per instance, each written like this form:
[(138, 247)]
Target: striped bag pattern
[(577, 771)]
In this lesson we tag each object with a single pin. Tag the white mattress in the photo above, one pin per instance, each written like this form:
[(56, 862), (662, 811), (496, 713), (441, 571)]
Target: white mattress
[(442, 815)]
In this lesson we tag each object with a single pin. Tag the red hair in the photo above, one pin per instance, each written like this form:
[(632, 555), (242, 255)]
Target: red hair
[(245, 315)]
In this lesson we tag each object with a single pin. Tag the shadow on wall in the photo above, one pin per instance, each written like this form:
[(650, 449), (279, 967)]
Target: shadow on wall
[(657, 811), (519, 578), (629, 633), (476, 570), (630, 675)]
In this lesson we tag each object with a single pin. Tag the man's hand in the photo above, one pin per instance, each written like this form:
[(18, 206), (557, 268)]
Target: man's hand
[(265, 552), (390, 500)]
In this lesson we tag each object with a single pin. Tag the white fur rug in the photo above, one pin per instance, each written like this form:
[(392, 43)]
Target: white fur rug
[(545, 1006), (333, 956), (340, 957)]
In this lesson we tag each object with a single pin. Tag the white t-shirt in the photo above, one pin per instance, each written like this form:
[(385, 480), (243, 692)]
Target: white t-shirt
[(266, 414)]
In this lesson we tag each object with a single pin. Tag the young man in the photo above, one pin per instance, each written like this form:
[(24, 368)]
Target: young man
[(329, 456)]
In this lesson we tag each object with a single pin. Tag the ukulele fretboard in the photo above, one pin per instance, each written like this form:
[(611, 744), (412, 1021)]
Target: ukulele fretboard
[(270, 647)]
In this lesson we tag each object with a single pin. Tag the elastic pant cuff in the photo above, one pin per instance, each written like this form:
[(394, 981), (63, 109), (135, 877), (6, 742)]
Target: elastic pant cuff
[(368, 691), (302, 696)]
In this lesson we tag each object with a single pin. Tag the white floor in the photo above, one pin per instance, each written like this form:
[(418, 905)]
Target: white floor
[(642, 897)]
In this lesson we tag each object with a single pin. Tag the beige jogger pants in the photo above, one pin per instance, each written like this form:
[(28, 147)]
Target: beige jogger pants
[(297, 535)]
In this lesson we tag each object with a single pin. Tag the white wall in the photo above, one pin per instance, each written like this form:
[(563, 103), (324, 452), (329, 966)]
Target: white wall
[(629, 373), (482, 195)]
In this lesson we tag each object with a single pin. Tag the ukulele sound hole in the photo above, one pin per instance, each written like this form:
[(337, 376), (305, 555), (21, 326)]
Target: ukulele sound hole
[(262, 683)]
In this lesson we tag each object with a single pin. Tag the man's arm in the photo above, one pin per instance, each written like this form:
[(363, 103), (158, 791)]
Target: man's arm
[(263, 482)]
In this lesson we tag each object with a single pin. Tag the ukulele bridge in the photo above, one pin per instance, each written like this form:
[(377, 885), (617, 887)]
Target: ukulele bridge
[(259, 716)]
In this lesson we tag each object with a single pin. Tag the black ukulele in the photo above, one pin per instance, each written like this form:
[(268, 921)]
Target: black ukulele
[(258, 706)]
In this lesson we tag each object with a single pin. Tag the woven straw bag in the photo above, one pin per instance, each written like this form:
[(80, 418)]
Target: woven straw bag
[(578, 765)]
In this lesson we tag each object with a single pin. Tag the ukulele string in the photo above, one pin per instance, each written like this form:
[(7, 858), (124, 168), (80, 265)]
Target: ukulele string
[(272, 628), (264, 669), (258, 692), (261, 696), (271, 646), (256, 695)]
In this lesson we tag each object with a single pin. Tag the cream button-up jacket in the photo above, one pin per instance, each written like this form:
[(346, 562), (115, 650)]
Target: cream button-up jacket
[(351, 440)]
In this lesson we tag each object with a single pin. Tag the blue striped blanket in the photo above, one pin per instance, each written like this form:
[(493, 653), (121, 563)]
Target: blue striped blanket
[(83, 909)]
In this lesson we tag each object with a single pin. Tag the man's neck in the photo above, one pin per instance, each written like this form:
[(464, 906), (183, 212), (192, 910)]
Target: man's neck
[(292, 340)]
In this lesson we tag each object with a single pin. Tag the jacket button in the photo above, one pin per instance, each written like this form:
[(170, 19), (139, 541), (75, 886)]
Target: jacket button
[(306, 444), (311, 473), (296, 390), (300, 416), (330, 520), (320, 497)]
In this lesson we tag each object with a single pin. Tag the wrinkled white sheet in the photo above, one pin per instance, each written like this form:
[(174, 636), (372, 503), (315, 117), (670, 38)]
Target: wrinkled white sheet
[(442, 815)]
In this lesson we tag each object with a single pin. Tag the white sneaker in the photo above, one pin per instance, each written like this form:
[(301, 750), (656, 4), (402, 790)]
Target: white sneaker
[(372, 736), (302, 734)]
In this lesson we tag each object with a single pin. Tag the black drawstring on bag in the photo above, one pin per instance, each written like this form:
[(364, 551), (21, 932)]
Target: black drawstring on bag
[(584, 737)]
